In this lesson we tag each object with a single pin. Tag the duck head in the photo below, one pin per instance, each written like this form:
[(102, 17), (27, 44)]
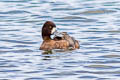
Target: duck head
[(48, 29)]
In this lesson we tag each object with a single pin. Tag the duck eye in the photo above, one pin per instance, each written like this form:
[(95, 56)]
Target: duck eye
[(50, 27)]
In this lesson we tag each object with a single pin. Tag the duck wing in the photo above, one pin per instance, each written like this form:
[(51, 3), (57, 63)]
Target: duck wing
[(73, 44)]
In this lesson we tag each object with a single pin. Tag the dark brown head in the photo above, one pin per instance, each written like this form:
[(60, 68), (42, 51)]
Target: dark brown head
[(48, 29)]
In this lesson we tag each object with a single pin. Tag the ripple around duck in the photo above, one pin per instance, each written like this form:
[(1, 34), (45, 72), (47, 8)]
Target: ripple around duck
[(61, 74), (111, 56), (74, 19), (21, 51), (114, 31), (87, 77), (3, 79), (16, 41), (99, 72), (61, 9), (15, 1), (35, 78), (101, 67), (7, 66), (15, 12), (8, 71), (93, 12)]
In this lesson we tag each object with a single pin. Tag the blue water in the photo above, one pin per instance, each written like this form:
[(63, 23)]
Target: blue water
[(95, 23)]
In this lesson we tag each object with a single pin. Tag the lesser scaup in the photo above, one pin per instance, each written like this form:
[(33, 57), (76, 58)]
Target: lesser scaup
[(58, 42)]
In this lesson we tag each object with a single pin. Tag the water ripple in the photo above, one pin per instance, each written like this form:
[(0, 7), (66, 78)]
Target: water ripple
[(15, 12), (95, 24)]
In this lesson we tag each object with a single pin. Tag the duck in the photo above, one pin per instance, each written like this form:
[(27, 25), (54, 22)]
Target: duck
[(65, 41)]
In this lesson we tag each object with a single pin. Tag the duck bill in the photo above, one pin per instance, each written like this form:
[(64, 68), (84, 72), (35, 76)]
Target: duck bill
[(54, 30)]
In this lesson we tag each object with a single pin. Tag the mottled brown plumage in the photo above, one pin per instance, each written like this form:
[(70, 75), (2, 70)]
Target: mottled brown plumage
[(52, 44), (65, 42)]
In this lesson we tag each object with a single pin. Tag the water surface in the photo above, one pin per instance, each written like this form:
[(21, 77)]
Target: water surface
[(95, 23)]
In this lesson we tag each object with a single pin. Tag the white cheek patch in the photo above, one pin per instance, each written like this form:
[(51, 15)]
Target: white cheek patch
[(53, 30)]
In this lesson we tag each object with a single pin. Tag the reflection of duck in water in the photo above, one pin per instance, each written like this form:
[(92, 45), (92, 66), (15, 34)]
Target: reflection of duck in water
[(61, 41)]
